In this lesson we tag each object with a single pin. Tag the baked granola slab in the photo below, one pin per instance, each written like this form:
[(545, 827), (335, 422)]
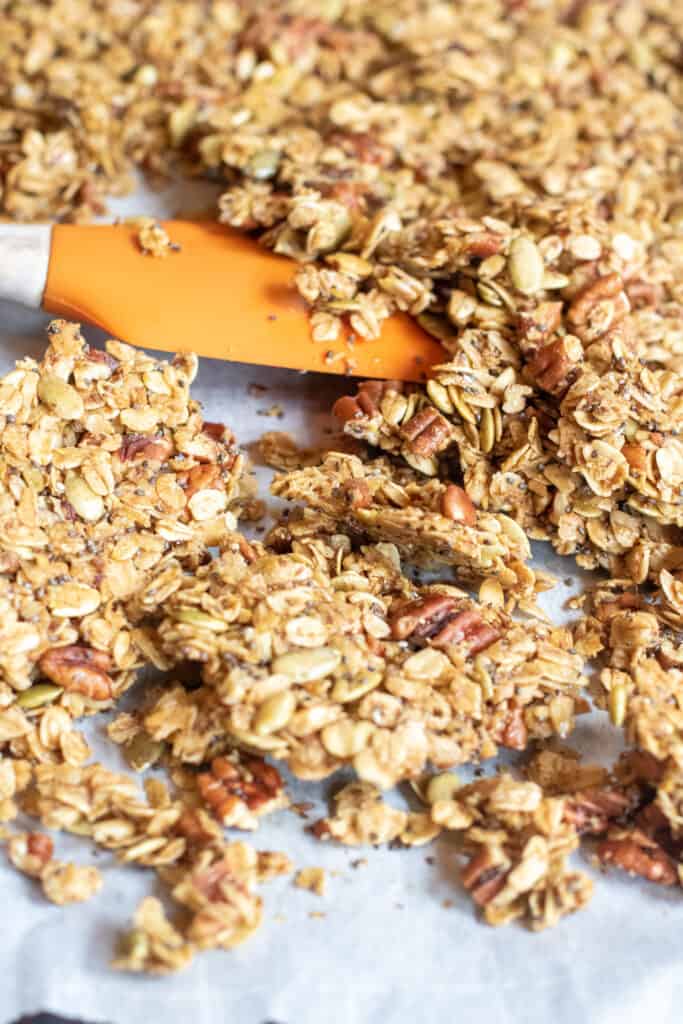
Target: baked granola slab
[(340, 659), (111, 484)]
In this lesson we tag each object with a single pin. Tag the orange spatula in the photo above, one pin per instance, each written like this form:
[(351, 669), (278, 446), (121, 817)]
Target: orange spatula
[(221, 295)]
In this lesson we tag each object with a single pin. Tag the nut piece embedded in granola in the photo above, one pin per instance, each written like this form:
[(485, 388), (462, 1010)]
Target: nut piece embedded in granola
[(240, 790), (518, 842)]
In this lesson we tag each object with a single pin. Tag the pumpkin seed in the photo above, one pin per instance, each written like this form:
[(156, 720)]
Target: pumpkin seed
[(487, 431), (617, 704), (307, 666), (525, 264), (274, 713), (82, 498), (460, 404), (195, 617), (439, 396), (61, 397), (36, 696)]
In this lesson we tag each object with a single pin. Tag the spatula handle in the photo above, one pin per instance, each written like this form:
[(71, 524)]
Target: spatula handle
[(24, 259)]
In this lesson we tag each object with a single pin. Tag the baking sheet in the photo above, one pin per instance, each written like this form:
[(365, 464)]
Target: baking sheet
[(399, 941)]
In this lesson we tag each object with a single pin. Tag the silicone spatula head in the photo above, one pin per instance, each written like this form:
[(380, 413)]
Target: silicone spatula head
[(221, 296)]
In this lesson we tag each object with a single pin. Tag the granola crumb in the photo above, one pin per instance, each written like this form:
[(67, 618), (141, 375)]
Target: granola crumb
[(313, 879)]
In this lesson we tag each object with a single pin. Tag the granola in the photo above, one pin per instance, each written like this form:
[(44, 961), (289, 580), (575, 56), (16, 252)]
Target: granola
[(326, 657), (111, 485), (431, 523), (518, 841)]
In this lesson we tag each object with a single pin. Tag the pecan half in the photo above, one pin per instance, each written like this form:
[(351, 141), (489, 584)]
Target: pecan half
[(78, 670), (427, 432), (483, 877), (607, 287), (139, 446), (436, 619), (216, 431), (456, 505), (366, 401), (231, 789), (639, 855)]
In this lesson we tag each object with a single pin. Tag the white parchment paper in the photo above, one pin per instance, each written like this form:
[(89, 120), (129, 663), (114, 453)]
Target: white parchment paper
[(399, 942)]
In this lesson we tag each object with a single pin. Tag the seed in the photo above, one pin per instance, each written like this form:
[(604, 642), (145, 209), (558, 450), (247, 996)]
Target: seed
[(393, 408), (307, 666), (487, 431), (36, 696), (552, 280), (263, 165), (82, 498), (345, 739), (274, 713), (461, 307), (442, 787), (525, 264), (73, 600), (491, 592), (498, 423), (439, 396), (142, 751), (194, 617), (422, 463), (461, 405), (617, 704), (345, 690), (61, 397)]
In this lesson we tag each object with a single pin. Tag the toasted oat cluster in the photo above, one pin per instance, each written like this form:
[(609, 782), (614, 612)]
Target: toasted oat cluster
[(333, 657), (431, 523), (111, 485)]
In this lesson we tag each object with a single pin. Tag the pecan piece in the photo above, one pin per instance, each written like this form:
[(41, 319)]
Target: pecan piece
[(420, 618), (200, 478), (236, 791), (550, 367), (467, 627), (481, 244), (515, 735), (427, 432), (139, 445), (363, 146), (535, 325), (366, 401), (483, 877), (639, 855), (215, 430), (78, 670), (356, 494), (30, 852), (592, 810), (456, 505), (436, 619), (607, 287)]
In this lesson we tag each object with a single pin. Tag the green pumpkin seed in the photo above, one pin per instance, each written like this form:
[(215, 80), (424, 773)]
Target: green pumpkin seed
[(38, 695)]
